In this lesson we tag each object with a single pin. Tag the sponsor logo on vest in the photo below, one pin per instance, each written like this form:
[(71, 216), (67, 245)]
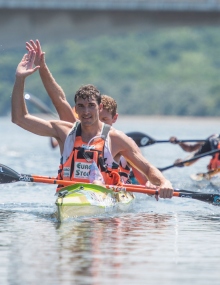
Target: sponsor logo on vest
[(82, 170), (66, 172)]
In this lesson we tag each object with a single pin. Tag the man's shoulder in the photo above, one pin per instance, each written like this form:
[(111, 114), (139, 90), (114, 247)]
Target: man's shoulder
[(118, 136), (116, 133), (73, 127)]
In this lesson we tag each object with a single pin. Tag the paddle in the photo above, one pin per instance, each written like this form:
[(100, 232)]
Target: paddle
[(189, 160), (8, 175), (39, 104), (43, 108), (142, 139)]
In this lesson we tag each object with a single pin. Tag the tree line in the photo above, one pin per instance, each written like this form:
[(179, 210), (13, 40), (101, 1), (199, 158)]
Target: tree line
[(166, 71)]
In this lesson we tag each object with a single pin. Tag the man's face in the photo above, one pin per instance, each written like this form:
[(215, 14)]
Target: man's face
[(87, 110), (106, 117)]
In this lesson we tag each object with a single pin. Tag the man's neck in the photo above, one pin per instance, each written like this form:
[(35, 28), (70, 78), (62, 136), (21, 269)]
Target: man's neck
[(89, 132)]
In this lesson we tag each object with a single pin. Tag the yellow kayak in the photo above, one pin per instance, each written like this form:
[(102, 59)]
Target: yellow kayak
[(84, 199)]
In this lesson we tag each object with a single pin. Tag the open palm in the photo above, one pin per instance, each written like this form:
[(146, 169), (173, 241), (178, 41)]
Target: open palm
[(39, 57), (25, 67)]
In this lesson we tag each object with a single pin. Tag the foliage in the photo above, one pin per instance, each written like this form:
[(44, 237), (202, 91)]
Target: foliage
[(166, 71)]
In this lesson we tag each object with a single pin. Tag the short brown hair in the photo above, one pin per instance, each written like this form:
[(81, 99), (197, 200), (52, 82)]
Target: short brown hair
[(88, 91), (109, 104)]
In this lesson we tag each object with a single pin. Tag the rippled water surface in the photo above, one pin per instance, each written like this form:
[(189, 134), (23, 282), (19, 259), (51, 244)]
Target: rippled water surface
[(166, 242)]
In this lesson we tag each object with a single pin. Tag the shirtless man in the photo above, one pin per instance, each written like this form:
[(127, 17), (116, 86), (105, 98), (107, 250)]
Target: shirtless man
[(87, 105), (108, 114)]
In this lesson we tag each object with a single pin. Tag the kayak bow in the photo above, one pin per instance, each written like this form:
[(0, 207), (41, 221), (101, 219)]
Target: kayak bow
[(84, 199)]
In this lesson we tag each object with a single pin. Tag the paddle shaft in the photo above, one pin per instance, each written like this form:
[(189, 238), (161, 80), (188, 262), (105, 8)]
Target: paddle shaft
[(39, 104), (205, 197), (8, 175), (43, 108), (189, 160), (127, 187), (178, 141), (141, 139)]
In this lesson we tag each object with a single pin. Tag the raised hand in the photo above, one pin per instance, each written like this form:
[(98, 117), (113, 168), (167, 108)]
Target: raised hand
[(40, 56), (25, 67)]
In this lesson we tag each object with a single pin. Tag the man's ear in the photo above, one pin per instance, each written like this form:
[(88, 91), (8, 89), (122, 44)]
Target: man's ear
[(100, 107), (75, 112), (114, 119)]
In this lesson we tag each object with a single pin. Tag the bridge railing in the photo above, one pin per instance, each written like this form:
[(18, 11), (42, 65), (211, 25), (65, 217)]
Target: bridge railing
[(179, 5)]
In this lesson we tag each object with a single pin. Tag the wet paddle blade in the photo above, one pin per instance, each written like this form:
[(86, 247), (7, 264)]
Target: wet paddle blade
[(8, 175), (140, 138), (204, 197)]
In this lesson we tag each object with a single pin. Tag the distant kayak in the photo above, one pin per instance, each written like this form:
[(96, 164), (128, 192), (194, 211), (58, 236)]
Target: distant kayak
[(212, 177)]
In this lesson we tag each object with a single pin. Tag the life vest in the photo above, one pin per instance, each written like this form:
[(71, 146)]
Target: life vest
[(77, 167), (215, 161)]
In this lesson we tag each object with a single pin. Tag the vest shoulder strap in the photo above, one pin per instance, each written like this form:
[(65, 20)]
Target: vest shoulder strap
[(69, 142), (105, 131), (78, 129)]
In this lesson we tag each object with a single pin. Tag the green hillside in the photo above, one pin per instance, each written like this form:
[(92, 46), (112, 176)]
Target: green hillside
[(169, 71)]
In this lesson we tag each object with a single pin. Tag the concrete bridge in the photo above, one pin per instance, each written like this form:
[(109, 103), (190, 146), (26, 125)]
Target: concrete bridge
[(49, 20)]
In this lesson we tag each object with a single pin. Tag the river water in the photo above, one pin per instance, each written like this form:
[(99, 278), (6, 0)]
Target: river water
[(167, 242)]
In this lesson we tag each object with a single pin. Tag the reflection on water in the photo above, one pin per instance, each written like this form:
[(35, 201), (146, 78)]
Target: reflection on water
[(102, 249), (167, 242)]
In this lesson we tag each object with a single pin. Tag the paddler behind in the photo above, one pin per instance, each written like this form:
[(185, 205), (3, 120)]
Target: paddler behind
[(87, 142), (211, 143)]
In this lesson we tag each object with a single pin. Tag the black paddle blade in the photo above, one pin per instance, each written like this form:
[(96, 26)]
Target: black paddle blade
[(204, 197), (141, 139), (8, 175)]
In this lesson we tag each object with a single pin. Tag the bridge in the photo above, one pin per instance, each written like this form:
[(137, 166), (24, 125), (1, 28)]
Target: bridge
[(150, 5), (49, 20)]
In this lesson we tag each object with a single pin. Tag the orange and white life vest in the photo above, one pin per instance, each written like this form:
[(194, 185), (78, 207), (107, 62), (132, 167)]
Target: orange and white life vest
[(78, 157)]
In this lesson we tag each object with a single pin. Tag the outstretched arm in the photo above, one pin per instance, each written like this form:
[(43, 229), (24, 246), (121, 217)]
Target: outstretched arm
[(186, 147), (53, 89), (123, 145), (20, 115)]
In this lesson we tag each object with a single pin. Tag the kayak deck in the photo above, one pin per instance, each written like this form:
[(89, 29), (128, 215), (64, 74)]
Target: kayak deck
[(83, 199)]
